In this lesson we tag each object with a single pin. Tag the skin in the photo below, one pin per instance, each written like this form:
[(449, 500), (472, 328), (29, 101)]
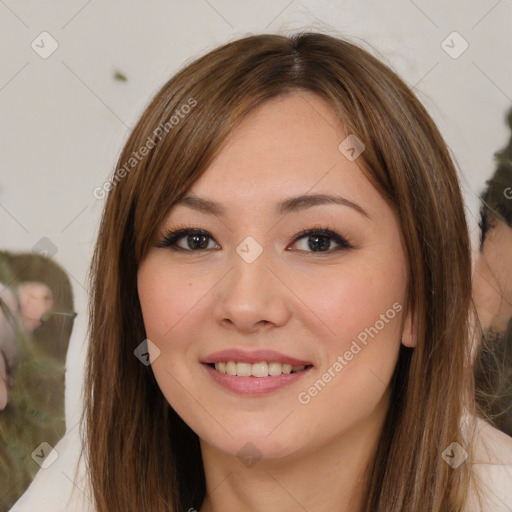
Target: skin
[(293, 299), (35, 299), (492, 279)]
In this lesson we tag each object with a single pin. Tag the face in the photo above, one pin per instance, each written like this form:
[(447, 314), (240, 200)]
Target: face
[(36, 299), (492, 278), (270, 284)]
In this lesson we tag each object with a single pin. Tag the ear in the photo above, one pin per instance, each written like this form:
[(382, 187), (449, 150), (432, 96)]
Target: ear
[(409, 333)]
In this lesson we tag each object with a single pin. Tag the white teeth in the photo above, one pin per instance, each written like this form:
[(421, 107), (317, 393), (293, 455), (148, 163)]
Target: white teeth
[(262, 369), (275, 368), (230, 368), (243, 369), (259, 369)]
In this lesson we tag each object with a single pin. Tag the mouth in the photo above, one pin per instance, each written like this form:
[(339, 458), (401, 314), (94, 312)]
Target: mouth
[(255, 379), (255, 372), (260, 369)]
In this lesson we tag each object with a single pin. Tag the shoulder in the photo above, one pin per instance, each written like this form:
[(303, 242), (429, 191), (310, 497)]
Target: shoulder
[(491, 459)]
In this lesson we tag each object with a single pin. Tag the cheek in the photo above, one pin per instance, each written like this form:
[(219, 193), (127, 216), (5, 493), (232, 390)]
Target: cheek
[(170, 301), (157, 290), (354, 302), (40, 306), (174, 306), (360, 352), (30, 307), (359, 310)]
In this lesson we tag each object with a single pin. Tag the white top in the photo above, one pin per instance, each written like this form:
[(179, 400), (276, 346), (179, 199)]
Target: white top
[(56, 489), (492, 470)]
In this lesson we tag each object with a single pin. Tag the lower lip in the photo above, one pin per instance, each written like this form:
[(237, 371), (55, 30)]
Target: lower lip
[(254, 385)]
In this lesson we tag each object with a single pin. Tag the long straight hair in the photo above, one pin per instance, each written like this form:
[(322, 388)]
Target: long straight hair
[(141, 456)]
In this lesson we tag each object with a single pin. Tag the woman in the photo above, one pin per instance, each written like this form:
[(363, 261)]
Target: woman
[(281, 288)]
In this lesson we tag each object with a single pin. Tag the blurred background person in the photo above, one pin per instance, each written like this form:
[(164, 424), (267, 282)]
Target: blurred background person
[(36, 299), (41, 300), (46, 301), (492, 290)]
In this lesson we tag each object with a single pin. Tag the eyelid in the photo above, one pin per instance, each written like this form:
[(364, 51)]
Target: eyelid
[(324, 231), (171, 235), (174, 233)]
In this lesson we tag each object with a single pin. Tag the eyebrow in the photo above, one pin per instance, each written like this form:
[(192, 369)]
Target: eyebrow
[(291, 204)]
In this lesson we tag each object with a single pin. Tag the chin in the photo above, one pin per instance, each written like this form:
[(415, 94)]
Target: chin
[(252, 448), (267, 443)]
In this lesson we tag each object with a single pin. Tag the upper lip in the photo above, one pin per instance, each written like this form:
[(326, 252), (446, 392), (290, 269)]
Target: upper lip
[(253, 356)]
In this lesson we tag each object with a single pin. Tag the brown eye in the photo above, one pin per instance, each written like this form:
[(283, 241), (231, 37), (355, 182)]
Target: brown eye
[(321, 241), (193, 240), (199, 240)]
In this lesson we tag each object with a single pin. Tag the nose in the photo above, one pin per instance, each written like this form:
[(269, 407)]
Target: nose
[(252, 298)]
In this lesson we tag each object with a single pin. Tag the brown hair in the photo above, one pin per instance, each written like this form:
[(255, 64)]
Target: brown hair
[(141, 455)]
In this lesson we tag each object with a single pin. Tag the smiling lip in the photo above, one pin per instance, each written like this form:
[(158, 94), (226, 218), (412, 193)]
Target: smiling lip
[(254, 356), (254, 385)]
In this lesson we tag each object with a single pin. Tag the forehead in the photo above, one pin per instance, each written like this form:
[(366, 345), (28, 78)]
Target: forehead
[(287, 147), (34, 287)]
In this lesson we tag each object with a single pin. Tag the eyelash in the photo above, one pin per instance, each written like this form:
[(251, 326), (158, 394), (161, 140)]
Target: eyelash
[(174, 234)]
